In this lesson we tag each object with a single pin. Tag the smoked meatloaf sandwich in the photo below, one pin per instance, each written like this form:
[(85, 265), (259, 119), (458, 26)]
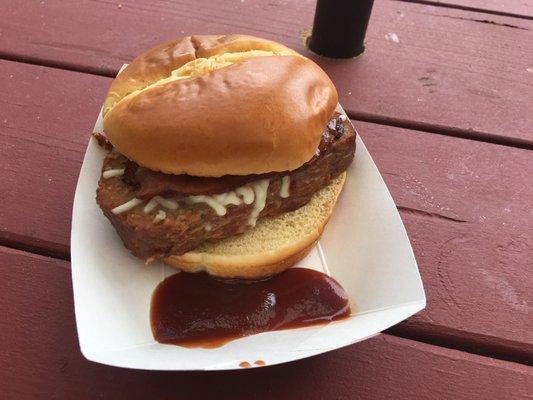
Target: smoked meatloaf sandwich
[(225, 154)]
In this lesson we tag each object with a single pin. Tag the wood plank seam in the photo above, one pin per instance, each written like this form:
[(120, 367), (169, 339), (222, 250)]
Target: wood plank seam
[(441, 130), (466, 8), (44, 249), (484, 21), (57, 64), (472, 345)]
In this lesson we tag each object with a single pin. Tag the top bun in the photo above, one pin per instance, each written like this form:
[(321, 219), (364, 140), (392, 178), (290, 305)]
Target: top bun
[(219, 105)]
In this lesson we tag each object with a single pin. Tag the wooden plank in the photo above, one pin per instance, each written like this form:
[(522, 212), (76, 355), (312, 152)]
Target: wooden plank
[(467, 209), (523, 8), (40, 358), (45, 121), (443, 68), (475, 272)]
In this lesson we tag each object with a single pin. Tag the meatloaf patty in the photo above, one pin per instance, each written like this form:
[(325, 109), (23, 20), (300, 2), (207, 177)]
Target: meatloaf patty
[(157, 214)]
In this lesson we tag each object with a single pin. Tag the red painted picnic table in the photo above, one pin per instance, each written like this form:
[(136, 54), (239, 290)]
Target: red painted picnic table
[(443, 100)]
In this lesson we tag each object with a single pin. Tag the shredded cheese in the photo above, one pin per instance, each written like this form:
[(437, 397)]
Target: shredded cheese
[(260, 189), (152, 204), (126, 206), (285, 184), (167, 203), (247, 194), (220, 209), (111, 173), (228, 198), (160, 216), (217, 202)]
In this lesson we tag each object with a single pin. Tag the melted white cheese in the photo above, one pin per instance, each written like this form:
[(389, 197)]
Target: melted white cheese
[(285, 184), (219, 209), (247, 194), (160, 216), (111, 173), (255, 194), (228, 198), (152, 204), (260, 189), (126, 206), (167, 203), (217, 202)]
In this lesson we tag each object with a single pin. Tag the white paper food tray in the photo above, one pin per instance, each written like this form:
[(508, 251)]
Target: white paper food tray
[(364, 247)]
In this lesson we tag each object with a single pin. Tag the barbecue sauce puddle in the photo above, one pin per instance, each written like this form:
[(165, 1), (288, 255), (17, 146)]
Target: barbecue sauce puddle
[(196, 310)]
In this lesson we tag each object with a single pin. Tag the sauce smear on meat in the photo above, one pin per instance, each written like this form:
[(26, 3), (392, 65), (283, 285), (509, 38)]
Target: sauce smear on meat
[(196, 310)]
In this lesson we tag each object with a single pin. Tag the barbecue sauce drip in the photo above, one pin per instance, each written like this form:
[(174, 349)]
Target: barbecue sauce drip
[(196, 310)]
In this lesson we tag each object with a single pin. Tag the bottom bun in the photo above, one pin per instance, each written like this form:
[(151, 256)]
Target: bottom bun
[(274, 245)]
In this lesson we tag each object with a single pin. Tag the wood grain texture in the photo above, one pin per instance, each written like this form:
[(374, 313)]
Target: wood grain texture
[(466, 204), (519, 8), (450, 69), (466, 209), (46, 117), (40, 359)]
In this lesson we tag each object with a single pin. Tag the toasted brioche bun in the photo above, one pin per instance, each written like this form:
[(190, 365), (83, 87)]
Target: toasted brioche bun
[(274, 245), (219, 105)]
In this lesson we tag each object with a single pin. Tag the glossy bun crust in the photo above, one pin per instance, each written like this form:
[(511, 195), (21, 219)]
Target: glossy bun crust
[(219, 105)]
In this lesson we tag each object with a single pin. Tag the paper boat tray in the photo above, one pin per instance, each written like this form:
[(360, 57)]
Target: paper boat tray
[(364, 247)]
